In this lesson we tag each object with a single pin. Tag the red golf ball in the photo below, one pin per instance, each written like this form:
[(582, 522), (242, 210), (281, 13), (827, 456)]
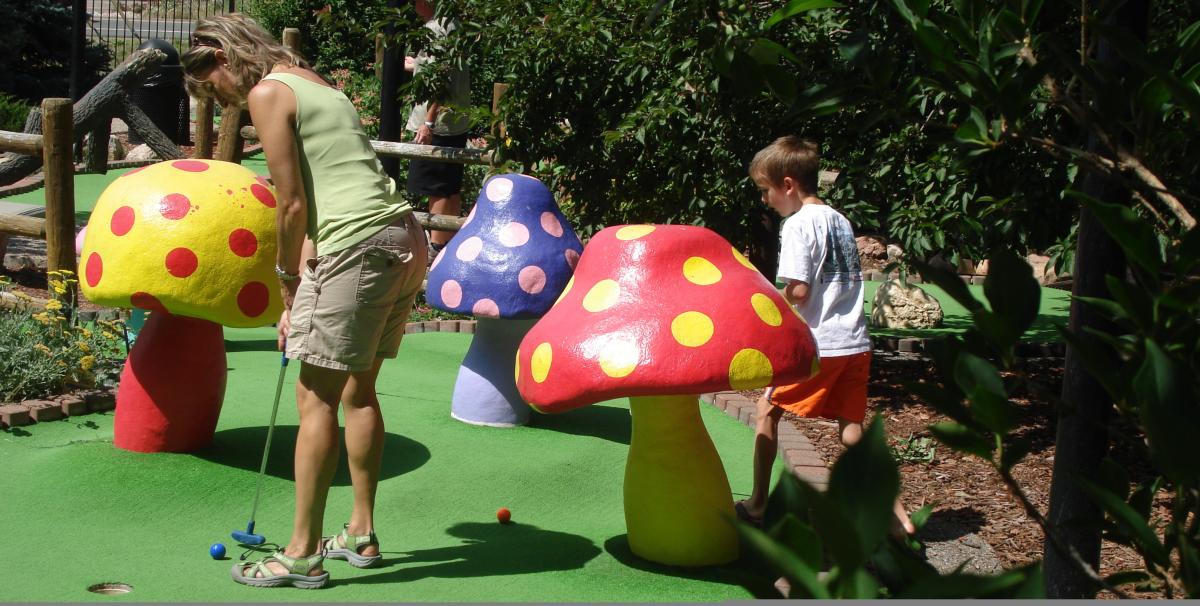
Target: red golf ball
[(503, 515)]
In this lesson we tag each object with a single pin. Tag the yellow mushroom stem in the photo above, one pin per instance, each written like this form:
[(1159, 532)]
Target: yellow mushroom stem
[(678, 506)]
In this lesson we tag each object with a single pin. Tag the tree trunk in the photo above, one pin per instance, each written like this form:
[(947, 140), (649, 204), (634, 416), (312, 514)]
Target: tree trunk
[(100, 103), (151, 135), (1082, 434)]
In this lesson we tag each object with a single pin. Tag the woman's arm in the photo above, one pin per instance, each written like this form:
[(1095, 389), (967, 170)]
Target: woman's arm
[(273, 110)]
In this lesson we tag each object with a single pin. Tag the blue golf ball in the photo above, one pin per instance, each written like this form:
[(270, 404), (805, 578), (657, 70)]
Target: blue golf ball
[(217, 551)]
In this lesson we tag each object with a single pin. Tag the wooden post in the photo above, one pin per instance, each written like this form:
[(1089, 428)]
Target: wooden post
[(229, 139), (57, 134), (204, 128), (291, 38), (498, 90)]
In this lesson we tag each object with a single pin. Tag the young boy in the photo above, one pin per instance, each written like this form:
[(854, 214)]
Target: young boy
[(818, 263)]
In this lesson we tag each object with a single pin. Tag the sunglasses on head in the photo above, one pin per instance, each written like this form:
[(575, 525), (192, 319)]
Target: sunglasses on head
[(205, 41)]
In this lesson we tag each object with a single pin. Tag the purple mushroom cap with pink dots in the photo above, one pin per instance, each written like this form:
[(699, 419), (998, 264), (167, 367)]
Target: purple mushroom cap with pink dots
[(513, 256)]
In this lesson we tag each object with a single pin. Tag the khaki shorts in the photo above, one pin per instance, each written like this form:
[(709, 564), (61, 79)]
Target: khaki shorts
[(351, 306)]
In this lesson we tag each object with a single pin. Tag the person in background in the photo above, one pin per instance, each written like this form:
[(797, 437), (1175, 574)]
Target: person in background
[(441, 124)]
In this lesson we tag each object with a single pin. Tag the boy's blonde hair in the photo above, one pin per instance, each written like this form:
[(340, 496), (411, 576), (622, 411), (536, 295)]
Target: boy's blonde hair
[(788, 156), (250, 50)]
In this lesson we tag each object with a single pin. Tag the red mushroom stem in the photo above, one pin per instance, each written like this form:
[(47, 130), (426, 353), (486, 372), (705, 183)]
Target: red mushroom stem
[(678, 505), (172, 386)]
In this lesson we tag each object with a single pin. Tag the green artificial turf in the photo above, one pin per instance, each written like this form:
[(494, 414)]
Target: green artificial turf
[(83, 512)]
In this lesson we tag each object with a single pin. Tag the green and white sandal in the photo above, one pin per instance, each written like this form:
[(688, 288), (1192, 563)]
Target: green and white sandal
[(247, 573), (351, 548)]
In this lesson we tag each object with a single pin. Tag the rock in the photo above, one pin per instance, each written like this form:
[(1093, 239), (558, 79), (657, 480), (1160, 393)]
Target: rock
[(900, 305), (872, 251), (141, 152), (116, 150), (894, 253)]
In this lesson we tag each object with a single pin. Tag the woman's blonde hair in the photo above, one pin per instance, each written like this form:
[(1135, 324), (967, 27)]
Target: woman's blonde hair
[(250, 50)]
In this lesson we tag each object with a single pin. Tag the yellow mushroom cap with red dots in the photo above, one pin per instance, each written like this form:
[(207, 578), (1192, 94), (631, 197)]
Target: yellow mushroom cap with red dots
[(190, 237), (661, 310)]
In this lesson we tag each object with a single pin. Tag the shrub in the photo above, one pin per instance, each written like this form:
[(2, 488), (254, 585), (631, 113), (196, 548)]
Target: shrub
[(334, 34), (35, 51), (363, 91), (45, 353), (13, 112)]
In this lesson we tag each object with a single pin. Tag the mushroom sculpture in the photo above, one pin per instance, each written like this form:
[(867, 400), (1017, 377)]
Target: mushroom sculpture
[(507, 265), (662, 313), (193, 242)]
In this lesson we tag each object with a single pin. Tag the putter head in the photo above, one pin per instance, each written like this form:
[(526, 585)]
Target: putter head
[(248, 537)]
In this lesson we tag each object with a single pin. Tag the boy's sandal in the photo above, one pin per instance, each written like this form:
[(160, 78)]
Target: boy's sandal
[(743, 514), (350, 546), (298, 569)]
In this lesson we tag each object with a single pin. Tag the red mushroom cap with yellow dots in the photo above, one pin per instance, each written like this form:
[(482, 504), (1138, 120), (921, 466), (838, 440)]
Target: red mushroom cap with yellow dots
[(191, 237), (661, 310)]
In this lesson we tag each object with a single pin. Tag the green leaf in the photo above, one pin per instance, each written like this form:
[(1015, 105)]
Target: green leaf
[(1108, 307), (1098, 360), (1128, 520), (963, 439), (801, 539), (796, 7), (1134, 236), (1022, 582), (857, 584), (1112, 476), (1012, 291), (1142, 498), (1126, 577), (863, 484), (1170, 414), (785, 562), (980, 380), (1188, 253), (1136, 302)]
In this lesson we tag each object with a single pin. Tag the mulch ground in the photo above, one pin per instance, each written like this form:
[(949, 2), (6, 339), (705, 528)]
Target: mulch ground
[(965, 492)]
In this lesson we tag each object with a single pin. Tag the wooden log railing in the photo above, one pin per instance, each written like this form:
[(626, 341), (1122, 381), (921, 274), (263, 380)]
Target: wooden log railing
[(412, 151), (55, 146)]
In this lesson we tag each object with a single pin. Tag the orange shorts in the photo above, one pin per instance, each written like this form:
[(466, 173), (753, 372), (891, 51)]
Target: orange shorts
[(839, 391)]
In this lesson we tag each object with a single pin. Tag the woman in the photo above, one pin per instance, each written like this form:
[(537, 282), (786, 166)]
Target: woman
[(362, 261)]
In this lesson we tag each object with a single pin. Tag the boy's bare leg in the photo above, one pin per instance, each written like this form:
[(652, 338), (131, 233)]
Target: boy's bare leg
[(851, 433), (766, 447)]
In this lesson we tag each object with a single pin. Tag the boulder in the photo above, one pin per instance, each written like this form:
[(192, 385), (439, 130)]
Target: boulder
[(872, 251), (894, 253), (141, 152), (901, 305)]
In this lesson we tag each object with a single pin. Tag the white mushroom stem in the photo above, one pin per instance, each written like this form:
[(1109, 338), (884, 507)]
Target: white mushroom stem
[(678, 505)]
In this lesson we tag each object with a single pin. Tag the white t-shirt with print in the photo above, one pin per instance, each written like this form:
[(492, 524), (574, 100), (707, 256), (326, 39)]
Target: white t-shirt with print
[(818, 248)]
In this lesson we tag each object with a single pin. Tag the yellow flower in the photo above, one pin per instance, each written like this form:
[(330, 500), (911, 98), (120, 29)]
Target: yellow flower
[(42, 348), (87, 362), (60, 288), (108, 335), (87, 334), (83, 347), (53, 305), (22, 295)]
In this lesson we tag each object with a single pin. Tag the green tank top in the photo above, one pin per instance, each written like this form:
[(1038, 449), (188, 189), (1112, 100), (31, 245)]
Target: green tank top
[(350, 197)]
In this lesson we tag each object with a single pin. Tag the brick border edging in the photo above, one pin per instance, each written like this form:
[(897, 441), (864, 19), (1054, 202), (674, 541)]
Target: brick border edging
[(801, 457), (87, 401)]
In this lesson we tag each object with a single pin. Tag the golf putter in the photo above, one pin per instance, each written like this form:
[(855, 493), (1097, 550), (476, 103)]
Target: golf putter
[(248, 537)]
